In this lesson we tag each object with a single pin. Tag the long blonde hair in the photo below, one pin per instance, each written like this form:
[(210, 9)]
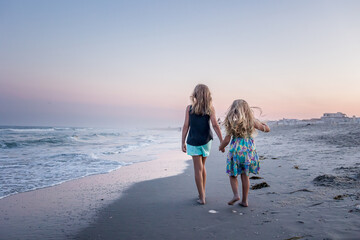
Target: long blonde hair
[(201, 100), (239, 120)]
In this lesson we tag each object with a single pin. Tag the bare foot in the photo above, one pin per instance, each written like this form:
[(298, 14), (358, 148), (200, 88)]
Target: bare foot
[(244, 204), (201, 202), (234, 200)]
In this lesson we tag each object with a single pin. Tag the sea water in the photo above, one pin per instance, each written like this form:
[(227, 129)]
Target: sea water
[(38, 157)]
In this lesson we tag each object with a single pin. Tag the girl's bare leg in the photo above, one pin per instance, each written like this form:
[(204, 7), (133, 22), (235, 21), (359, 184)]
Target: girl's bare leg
[(245, 189), (235, 188), (203, 159), (198, 171)]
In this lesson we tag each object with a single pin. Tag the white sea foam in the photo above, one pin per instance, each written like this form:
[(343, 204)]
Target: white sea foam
[(29, 129), (33, 158)]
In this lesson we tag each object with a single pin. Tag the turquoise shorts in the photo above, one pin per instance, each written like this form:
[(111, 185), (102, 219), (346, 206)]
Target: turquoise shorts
[(203, 150)]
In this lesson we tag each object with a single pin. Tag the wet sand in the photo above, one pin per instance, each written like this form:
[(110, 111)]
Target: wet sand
[(59, 212), (294, 206)]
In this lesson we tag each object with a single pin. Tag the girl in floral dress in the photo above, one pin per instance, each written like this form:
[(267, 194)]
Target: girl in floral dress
[(242, 159)]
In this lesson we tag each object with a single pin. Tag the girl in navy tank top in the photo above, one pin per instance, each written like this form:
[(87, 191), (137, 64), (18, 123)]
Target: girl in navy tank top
[(198, 116)]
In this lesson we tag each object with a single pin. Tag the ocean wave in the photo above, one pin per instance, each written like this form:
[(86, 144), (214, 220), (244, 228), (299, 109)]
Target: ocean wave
[(128, 147), (63, 128), (145, 138), (28, 129), (77, 139), (122, 149), (72, 156), (31, 142), (41, 157), (4, 144), (116, 134)]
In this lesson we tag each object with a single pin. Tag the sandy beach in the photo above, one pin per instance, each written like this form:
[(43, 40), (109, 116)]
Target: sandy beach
[(59, 212), (291, 208), (97, 98), (313, 193)]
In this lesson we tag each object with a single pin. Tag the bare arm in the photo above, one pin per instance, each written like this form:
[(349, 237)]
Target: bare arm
[(224, 143), (185, 130), (261, 126), (215, 125)]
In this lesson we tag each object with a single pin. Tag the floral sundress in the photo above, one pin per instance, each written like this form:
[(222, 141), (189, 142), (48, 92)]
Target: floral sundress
[(242, 157)]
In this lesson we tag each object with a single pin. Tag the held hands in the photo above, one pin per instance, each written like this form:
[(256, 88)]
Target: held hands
[(224, 143), (183, 147)]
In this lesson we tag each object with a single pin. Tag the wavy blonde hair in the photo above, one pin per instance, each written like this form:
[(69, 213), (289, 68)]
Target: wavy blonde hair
[(201, 100), (239, 120)]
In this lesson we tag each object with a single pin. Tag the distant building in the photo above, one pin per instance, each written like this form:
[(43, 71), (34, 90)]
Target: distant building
[(335, 118), (328, 118)]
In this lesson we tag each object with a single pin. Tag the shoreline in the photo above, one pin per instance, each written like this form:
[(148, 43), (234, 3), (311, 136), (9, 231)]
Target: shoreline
[(59, 211), (59, 183), (291, 207), (157, 199)]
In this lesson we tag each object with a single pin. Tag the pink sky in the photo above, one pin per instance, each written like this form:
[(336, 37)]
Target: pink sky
[(107, 65)]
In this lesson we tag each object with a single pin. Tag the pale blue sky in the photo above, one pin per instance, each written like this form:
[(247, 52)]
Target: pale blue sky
[(120, 62)]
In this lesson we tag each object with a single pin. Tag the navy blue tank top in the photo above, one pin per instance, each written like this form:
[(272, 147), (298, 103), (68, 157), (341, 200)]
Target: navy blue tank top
[(200, 132)]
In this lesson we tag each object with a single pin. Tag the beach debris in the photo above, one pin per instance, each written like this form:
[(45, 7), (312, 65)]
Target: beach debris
[(271, 193), (213, 211), (340, 197), (241, 214), (260, 185), (296, 167), (300, 222), (315, 204), (300, 190), (234, 211), (262, 157), (256, 177), (357, 209), (274, 158)]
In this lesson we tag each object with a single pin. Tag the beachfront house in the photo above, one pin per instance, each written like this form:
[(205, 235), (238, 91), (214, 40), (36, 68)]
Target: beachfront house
[(335, 118), (329, 118)]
